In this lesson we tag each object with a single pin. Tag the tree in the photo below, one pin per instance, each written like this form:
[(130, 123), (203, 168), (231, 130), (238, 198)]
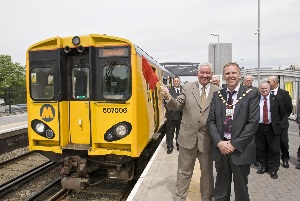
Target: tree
[(11, 74)]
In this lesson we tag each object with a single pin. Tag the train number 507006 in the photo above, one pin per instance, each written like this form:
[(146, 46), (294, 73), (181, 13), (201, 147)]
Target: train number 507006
[(114, 110)]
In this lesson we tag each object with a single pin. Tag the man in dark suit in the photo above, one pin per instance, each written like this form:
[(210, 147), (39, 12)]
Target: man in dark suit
[(272, 111), (284, 138), (298, 122), (232, 123), (194, 140), (173, 117), (247, 81)]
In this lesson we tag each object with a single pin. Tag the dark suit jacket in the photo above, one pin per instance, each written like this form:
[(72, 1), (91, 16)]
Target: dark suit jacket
[(286, 98), (173, 114), (277, 113), (245, 124)]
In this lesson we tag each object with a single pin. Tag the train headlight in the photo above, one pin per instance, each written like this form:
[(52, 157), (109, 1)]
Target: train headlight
[(76, 40), (40, 127), (121, 130)]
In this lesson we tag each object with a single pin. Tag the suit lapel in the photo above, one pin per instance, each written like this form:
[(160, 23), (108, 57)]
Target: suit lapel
[(223, 105), (196, 93)]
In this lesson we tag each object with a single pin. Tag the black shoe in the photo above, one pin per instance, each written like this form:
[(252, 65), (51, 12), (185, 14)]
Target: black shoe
[(273, 175), (285, 164), (257, 163), (169, 151), (262, 171), (178, 148)]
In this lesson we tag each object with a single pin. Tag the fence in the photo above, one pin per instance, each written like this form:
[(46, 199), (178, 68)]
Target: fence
[(14, 100)]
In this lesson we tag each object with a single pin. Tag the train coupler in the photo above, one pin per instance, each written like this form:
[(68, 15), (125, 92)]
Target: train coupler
[(75, 183)]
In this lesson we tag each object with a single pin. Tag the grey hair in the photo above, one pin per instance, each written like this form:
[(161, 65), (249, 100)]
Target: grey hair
[(248, 76), (205, 64), (264, 82)]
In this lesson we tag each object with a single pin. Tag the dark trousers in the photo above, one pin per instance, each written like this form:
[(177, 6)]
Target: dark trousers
[(267, 148), (171, 126), (225, 170), (284, 144)]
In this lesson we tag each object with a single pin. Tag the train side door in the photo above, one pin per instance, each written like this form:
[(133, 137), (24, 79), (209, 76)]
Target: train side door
[(79, 110)]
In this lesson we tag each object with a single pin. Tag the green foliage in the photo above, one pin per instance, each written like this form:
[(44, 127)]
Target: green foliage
[(11, 74)]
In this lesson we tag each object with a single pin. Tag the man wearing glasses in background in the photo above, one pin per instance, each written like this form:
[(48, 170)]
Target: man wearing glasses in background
[(284, 138)]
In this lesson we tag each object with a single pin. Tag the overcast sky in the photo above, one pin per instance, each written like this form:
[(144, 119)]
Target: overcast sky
[(168, 30)]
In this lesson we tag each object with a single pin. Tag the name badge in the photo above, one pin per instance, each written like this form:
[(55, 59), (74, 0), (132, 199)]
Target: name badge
[(229, 111)]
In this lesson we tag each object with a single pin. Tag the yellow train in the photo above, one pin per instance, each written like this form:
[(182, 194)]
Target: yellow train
[(91, 107)]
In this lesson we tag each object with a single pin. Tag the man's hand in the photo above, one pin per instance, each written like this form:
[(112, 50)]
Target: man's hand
[(165, 91), (225, 147)]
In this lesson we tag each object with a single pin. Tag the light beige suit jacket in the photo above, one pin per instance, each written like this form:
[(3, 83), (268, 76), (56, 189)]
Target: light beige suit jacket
[(193, 124)]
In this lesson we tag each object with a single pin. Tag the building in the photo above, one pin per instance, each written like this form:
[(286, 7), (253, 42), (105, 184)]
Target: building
[(225, 56)]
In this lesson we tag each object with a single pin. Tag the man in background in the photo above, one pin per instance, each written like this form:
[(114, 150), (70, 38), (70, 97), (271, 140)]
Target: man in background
[(248, 81), (173, 117), (215, 80), (284, 138)]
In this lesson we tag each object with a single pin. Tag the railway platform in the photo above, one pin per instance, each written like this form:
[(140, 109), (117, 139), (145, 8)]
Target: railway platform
[(158, 180)]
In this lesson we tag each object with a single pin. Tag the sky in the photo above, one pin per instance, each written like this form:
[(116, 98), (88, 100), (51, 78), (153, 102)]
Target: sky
[(168, 30)]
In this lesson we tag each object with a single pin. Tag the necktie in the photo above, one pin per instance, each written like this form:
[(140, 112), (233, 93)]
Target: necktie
[(228, 119), (177, 91), (265, 111), (203, 97), (272, 92)]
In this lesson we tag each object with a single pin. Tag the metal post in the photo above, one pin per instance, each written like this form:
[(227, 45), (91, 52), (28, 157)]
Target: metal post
[(258, 35), (219, 52)]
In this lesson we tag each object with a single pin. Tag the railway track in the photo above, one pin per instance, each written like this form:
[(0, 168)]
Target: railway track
[(17, 171)]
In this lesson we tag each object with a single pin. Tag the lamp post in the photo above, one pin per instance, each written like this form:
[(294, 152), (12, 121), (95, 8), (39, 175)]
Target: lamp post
[(219, 56), (258, 44)]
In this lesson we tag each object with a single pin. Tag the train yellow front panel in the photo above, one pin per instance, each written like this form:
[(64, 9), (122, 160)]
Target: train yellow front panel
[(79, 122)]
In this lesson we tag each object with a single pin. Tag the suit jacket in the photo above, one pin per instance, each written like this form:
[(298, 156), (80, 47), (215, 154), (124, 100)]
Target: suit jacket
[(277, 113), (244, 126), (286, 98), (173, 114), (193, 125)]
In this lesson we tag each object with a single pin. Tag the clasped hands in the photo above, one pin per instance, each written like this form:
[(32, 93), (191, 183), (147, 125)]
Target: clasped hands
[(225, 147)]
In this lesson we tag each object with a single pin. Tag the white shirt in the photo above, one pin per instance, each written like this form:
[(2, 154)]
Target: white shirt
[(275, 91), (207, 88), (261, 109)]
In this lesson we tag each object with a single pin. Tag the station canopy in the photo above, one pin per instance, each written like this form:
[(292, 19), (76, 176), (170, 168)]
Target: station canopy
[(181, 68)]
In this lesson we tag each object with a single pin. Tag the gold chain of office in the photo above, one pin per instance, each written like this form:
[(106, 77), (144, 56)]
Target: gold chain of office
[(221, 97)]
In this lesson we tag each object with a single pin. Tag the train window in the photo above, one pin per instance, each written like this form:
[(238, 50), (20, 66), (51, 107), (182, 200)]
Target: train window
[(42, 83), (115, 81), (80, 82)]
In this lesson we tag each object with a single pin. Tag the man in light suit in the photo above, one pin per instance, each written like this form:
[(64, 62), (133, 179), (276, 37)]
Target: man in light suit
[(232, 123), (173, 118), (284, 138), (194, 141)]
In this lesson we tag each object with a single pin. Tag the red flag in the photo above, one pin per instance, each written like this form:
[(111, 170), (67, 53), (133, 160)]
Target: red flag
[(149, 74)]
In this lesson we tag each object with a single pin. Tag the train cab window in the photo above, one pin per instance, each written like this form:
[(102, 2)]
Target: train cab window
[(42, 83), (80, 82), (115, 81)]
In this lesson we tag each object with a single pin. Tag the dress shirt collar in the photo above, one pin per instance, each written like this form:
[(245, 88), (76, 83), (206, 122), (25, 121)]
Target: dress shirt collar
[(262, 97), (207, 87), (236, 89)]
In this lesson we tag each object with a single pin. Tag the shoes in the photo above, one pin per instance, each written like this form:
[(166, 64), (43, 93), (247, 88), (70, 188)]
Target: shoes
[(178, 148), (257, 163), (285, 164), (262, 171), (169, 151), (273, 175)]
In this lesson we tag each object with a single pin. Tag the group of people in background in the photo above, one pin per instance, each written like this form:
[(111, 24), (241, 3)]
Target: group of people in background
[(235, 126)]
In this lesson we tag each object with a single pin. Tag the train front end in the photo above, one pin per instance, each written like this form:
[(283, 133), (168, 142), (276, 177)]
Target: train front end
[(82, 109)]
